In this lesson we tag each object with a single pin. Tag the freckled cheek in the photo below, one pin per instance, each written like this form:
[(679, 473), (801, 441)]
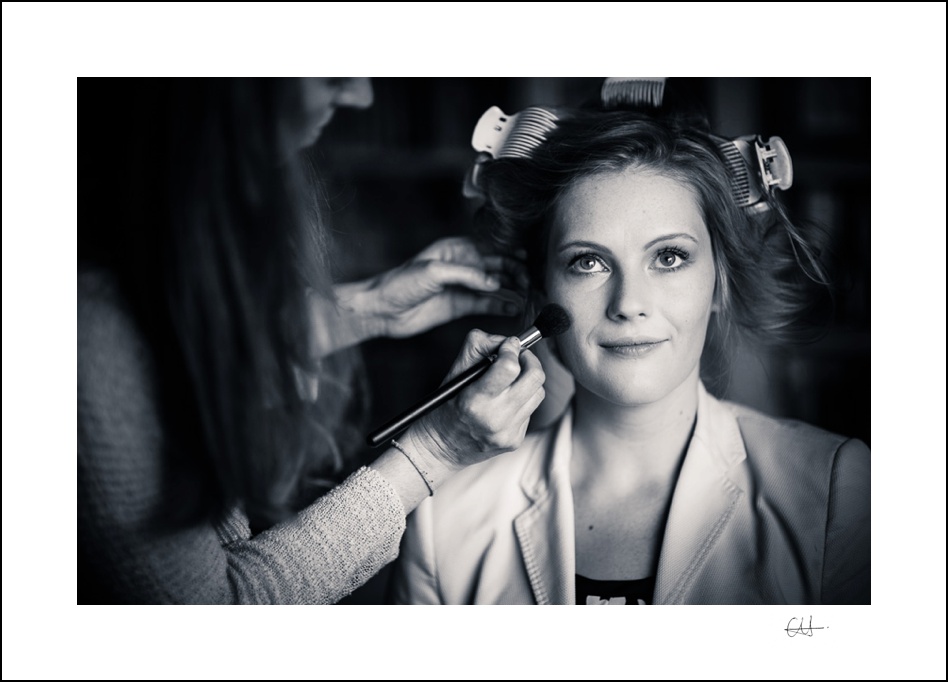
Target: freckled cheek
[(688, 305), (586, 307), (690, 310)]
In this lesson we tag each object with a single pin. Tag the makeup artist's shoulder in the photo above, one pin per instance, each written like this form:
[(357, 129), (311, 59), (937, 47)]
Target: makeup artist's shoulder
[(110, 346), (95, 284), (100, 305)]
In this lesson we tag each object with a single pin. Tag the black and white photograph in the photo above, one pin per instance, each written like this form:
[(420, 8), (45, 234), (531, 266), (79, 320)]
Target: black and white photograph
[(669, 427), (574, 340)]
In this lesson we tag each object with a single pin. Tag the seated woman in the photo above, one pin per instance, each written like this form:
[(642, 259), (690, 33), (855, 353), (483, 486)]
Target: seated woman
[(648, 490)]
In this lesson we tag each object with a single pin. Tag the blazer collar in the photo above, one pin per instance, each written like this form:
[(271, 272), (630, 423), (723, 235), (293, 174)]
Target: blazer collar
[(709, 486), (545, 529)]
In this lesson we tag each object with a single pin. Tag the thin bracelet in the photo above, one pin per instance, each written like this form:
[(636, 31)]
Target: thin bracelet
[(423, 474)]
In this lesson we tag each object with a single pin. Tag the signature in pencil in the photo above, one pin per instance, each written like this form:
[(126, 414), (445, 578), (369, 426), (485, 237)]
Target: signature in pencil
[(801, 626)]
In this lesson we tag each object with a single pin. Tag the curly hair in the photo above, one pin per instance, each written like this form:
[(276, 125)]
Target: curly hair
[(767, 270)]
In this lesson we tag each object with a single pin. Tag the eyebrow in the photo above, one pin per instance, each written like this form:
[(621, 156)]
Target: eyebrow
[(666, 237), (585, 245), (601, 247)]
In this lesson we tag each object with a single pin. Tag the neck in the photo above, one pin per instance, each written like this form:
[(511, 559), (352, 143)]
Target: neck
[(638, 441)]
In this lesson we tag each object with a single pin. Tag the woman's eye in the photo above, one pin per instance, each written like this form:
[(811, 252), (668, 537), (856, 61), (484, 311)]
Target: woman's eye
[(588, 264), (670, 259)]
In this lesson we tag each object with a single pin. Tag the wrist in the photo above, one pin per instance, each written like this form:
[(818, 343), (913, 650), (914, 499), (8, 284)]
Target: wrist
[(411, 470), (359, 311), (429, 455), (342, 321)]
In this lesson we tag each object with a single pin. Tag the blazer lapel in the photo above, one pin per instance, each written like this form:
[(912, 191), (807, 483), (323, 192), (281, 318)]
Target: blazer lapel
[(705, 498), (545, 529)]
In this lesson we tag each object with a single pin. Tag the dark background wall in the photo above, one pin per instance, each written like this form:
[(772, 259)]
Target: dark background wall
[(393, 178)]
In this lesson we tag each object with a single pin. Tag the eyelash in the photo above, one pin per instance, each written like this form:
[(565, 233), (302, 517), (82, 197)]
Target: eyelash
[(590, 256), (682, 255)]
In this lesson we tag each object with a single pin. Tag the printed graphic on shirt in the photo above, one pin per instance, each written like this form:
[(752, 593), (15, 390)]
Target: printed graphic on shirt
[(591, 592), (593, 600)]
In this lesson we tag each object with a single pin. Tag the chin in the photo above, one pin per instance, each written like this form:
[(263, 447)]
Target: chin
[(634, 396), (634, 390)]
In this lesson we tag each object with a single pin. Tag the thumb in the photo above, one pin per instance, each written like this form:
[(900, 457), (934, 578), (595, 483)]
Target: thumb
[(477, 346)]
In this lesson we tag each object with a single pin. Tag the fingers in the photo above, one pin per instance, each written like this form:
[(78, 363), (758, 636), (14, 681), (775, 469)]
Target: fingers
[(525, 393), (468, 290), (532, 370), (438, 274), (505, 397), (511, 271), (461, 251), (530, 406), (530, 379), (477, 346), (516, 372), (504, 370), (533, 402), (491, 415), (453, 249), (502, 302)]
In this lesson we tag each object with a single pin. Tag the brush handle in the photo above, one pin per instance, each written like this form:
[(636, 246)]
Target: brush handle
[(432, 401)]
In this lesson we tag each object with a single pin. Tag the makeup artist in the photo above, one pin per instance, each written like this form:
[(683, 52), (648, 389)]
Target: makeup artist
[(217, 390)]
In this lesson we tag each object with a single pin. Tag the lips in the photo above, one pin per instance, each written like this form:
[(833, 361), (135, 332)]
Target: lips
[(632, 347)]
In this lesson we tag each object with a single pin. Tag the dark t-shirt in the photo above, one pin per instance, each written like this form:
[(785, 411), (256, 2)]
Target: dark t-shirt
[(614, 592)]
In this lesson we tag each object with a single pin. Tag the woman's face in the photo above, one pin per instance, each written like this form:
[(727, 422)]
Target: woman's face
[(322, 96), (630, 259)]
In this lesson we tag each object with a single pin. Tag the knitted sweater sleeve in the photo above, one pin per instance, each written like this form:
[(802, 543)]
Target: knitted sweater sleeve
[(318, 557)]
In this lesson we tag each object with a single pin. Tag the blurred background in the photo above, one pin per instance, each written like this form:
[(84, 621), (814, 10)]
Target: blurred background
[(393, 177)]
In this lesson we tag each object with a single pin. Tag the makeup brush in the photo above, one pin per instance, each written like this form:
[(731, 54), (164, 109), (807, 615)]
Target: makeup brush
[(551, 321)]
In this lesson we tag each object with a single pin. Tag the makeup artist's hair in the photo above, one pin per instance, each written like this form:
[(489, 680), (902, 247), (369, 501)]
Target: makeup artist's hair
[(214, 238), (768, 275)]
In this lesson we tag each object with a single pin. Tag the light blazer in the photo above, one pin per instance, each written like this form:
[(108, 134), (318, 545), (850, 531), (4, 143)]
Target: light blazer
[(765, 511)]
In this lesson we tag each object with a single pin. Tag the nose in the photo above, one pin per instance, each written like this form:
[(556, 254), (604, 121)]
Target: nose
[(631, 297), (355, 93)]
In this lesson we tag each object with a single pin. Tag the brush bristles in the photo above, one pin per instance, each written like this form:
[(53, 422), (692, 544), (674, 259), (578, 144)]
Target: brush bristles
[(553, 320)]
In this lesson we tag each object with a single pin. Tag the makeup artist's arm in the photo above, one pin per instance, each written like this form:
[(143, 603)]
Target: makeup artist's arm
[(486, 419), (448, 280)]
